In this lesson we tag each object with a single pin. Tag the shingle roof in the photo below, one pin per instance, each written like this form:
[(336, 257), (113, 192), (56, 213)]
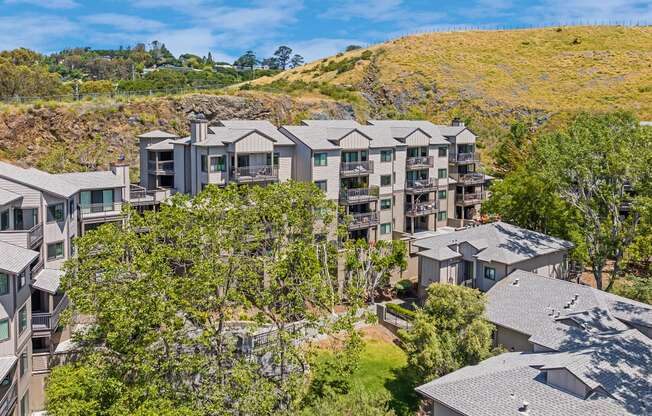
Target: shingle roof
[(262, 126), (349, 124), (35, 178), (327, 137), (14, 258), (162, 145), (536, 306), (158, 134), (399, 127), (8, 196), (6, 364), (92, 180), (440, 254), (500, 242), (48, 280)]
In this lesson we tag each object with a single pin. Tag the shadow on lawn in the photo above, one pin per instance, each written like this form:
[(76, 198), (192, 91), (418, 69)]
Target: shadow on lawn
[(405, 401)]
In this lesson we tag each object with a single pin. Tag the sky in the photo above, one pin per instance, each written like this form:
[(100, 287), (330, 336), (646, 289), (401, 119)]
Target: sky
[(311, 28)]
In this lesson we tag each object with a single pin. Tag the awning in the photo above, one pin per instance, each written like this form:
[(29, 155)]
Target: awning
[(48, 280)]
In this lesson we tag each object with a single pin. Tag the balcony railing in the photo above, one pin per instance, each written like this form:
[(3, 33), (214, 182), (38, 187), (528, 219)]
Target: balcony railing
[(364, 220), (45, 321), (164, 166), (472, 198), (421, 185), (40, 362), (24, 238), (464, 157), (359, 195), (255, 173), (8, 402), (420, 162), (102, 210), (421, 208), (356, 168), (141, 196), (469, 178)]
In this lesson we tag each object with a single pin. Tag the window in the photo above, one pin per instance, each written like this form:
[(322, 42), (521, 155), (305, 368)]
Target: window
[(24, 404), (21, 279), (385, 180), (441, 194), (386, 228), (22, 319), (385, 204), (4, 330), (4, 284), (442, 151), (96, 201), (55, 212), (23, 363), (442, 216), (4, 220), (270, 161), (490, 273), (71, 207), (204, 163), (321, 159), (321, 185), (218, 164), (386, 155), (55, 251), (442, 173)]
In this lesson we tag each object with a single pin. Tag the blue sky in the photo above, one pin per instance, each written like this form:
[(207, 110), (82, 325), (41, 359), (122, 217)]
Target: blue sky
[(312, 28)]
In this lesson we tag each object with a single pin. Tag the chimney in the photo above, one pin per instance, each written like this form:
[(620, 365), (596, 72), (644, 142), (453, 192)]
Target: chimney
[(198, 128), (457, 122), (121, 170)]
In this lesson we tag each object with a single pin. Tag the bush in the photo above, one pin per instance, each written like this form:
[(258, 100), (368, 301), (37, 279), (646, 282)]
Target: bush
[(403, 286), (400, 310)]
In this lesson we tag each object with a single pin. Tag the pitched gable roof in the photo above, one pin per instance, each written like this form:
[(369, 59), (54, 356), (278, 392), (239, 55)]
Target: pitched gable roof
[(15, 258), (158, 134), (38, 179)]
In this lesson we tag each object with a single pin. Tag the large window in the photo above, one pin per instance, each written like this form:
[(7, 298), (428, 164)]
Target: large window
[(385, 180), (4, 220), (442, 216), (22, 319), (442, 173), (55, 212), (386, 155), (490, 273), (25, 219), (321, 185), (442, 151), (4, 284), (100, 200), (218, 164), (386, 228), (386, 203), (270, 161), (321, 159), (441, 194), (55, 251), (4, 330)]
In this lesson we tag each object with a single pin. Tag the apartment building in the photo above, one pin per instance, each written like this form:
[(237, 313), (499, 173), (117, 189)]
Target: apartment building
[(390, 177), (40, 215)]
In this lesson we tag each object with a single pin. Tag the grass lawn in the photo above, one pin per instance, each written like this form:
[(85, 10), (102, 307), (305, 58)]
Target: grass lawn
[(383, 368)]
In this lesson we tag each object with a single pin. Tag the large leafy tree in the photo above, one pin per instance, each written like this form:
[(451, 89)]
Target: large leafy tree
[(449, 332), (165, 290), (282, 55)]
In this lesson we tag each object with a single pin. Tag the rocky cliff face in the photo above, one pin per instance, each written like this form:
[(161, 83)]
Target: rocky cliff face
[(90, 135)]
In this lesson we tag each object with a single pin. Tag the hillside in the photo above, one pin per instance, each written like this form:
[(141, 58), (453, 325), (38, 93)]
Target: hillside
[(88, 135), (492, 77)]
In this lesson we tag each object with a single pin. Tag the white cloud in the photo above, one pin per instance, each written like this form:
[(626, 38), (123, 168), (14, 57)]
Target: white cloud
[(49, 4), (197, 41), (589, 11), (314, 49), (123, 22), (34, 32)]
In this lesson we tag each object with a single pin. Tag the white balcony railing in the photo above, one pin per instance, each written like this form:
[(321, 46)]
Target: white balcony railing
[(164, 166), (363, 220), (464, 157), (141, 196), (469, 178), (24, 238), (420, 162), (359, 195), (356, 168), (255, 173), (471, 198), (421, 185), (104, 209), (421, 208)]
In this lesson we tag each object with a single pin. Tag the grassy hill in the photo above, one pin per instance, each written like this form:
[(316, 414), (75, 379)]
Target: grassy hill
[(489, 77)]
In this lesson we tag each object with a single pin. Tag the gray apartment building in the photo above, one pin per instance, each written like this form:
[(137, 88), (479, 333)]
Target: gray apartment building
[(389, 177)]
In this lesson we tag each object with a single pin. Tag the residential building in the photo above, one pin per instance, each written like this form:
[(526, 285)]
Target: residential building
[(482, 255), (576, 350)]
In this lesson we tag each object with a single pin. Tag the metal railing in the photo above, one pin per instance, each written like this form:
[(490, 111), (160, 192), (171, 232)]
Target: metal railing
[(160, 166), (40, 362), (360, 195), (364, 220), (470, 198), (8, 402), (420, 161), (357, 168), (37, 268), (421, 185), (45, 321), (469, 178), (141, 196), (464, 157), (105, 209), (255, 173), (421, 208)]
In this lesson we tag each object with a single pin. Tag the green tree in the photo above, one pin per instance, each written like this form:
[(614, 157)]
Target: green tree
[(449, 332), (248, 60), (357, 403), (297, 60), (513, 149), (282, 56)]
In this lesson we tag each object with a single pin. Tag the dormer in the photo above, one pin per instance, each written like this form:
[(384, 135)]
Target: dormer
[(417, 138), (349, 139), (253, 141), (571, 374)]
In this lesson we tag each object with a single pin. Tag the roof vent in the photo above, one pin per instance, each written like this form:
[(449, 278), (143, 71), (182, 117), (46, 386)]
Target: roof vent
[(576, 296), (525, 407), (567, 305), (558, 314), (552, 312), (515, 283)]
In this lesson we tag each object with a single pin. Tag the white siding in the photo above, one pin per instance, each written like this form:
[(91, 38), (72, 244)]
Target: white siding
[(31, 196), (285, 162), (330, 173), (254, 143), (354, 140), (417, 138)]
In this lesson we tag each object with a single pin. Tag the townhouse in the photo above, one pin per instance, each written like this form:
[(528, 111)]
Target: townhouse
[(573, 350), (392, 178), (40, 215)]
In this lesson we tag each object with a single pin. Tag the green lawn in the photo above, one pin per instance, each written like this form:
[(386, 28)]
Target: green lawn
[(383, 367)]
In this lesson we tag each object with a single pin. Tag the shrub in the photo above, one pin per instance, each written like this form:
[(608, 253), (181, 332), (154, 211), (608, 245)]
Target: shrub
[(400, 310), (403, 286)]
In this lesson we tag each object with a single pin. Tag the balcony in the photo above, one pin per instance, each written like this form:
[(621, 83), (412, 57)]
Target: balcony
[(161, 167), (420, 162), (359, 195), (8, 403), (416, 186), (261, 173), (140, 196), (40, 362), (348, 169), (24, 238), (471, 178), (101, 211), (45, 321), (470, 199), (421, 208), (364, 220), (464, 157)]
